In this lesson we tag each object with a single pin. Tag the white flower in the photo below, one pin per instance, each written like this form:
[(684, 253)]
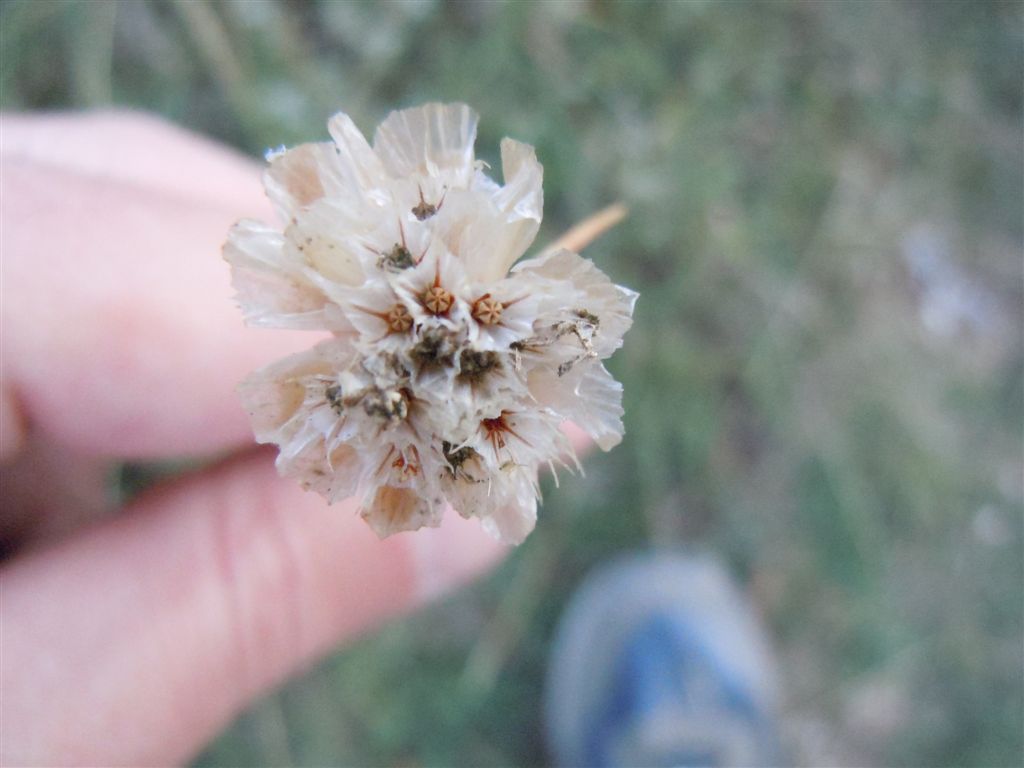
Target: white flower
[(447, 375)]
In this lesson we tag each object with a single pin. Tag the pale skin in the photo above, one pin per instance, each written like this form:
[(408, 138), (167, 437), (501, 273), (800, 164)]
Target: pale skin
[(131, 635)]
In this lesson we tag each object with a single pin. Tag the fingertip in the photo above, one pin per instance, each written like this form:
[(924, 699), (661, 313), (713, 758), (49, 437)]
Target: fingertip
[(152, 154), (119, 330)]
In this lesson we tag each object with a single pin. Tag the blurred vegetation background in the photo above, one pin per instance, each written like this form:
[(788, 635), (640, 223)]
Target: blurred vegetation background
[(824, 382)]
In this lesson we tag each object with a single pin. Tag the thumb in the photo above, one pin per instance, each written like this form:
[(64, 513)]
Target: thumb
[(138, 641)]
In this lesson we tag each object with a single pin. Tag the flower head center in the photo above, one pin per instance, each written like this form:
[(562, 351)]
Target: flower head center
[(437, 299), (487, 310), (398, 319)]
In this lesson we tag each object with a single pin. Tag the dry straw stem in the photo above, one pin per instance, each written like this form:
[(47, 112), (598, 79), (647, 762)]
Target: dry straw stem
[(588, 230)]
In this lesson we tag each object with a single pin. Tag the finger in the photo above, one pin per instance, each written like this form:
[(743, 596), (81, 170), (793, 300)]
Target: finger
[(140, 150), (143, 638), (119, 332)]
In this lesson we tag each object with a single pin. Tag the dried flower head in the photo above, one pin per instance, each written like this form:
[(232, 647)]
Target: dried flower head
[(448, 371)]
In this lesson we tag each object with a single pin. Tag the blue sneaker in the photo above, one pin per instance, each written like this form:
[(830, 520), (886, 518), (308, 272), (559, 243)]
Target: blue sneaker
[(658, 661)]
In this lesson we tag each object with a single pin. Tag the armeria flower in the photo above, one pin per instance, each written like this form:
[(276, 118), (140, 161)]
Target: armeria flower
[(449, 371)]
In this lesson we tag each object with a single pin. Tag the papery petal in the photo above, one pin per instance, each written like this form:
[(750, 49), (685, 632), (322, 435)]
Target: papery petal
[(587, 395), (429, 140), (275, 394), (288, 406), (272, 287), (367, 307), (392, 509), (359, 168), (504, 501), (512, 523), (466, 482), (297, 177), (490, 230), (515, 514), (481, 235), (334, 476), (521, 199), (329, 241), (584, 288)]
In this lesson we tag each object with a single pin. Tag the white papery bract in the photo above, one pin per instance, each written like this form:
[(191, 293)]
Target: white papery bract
[(446, 376)]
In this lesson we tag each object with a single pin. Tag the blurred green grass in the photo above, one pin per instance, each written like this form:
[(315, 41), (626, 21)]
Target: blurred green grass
[(824, 383)]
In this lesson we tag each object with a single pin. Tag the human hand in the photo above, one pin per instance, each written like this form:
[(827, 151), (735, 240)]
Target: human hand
[(132, 635)]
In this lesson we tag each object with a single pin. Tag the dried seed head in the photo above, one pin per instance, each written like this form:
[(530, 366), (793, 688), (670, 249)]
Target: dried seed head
[(434, 350), (333, 395), (398, 258), (388, 406), (474, 365), (437, 300), (487, 310), (398, 319), (424, 210), (456, 457)]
